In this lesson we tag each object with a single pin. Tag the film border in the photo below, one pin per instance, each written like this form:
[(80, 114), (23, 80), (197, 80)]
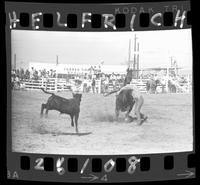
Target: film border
[(185, 172)]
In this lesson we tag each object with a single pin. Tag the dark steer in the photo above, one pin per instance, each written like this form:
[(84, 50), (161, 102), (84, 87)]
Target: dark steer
[(124, 102), (64, 106)]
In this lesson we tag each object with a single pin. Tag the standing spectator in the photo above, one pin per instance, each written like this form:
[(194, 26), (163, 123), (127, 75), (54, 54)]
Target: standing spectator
[(27, 74), (78, 87), (106, 83), (21, 73), (35, 75), (93, 85), (18, 72), (84, 85), (17, 82), (31, 73), (39, 74)]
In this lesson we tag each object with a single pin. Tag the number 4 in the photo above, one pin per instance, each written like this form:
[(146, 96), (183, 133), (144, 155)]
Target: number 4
[(104, 178)]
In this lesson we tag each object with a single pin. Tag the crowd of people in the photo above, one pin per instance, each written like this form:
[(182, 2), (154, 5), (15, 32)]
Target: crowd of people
[(32, 74), (19, 76)]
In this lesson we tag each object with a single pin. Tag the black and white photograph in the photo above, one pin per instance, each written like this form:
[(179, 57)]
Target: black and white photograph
[(101, 93)]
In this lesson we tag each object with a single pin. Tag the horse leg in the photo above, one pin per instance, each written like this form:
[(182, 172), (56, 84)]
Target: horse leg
[(76, 121), (72, 121), (142, 115), (138, 105), (43, 106), (129, 110), (116, 114), (46, 113)]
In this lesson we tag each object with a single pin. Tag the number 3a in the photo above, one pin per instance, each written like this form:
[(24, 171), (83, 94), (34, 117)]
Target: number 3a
[(39, 165)]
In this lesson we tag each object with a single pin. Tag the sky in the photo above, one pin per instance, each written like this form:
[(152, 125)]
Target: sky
[(156, 47)]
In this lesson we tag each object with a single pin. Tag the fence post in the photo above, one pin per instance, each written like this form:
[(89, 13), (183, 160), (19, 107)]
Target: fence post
[(47, 83), (55, 84), (42, 82), (166, 81)]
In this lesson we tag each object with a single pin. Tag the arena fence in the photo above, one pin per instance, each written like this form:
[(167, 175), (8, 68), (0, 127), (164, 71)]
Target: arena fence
[(50, 84), (61, 84), (55, 84), (180, 87)]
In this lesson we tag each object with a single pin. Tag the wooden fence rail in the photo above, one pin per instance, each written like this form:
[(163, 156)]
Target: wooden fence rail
[(54, 84)]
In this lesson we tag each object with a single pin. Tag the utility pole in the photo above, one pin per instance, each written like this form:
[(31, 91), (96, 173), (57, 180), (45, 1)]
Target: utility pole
[(56, 60), (129, 54), (138, 60), (135, 43), (135, 61), (134, 64), (56, 80)]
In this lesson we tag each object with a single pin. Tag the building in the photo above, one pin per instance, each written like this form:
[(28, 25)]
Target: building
[(79, 68)]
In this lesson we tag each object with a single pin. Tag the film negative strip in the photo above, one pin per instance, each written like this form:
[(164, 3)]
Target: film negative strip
[(81, 55)]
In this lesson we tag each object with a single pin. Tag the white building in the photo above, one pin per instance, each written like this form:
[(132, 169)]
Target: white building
[(118, 69), (78, 68)]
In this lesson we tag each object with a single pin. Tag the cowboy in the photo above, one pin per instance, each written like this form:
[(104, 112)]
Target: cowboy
[(77, 88), (93, 85), (139, 100)]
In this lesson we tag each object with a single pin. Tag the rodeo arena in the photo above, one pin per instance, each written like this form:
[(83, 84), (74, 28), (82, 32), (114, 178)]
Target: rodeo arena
[(167, 93), (100, 78)]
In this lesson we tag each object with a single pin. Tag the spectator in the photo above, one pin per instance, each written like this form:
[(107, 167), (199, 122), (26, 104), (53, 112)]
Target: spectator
[(93, 85), (84, 85), (78, 87), (27, 74)]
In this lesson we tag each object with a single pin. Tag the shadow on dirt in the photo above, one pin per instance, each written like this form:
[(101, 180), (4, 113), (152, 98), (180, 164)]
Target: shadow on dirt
[(41, 129), (99, 117), (70, 133)]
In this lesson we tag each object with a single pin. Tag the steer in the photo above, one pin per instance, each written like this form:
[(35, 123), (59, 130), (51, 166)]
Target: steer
[(64, 106)]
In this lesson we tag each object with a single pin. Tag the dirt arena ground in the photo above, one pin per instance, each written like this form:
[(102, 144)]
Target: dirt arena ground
[(169, 127)]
